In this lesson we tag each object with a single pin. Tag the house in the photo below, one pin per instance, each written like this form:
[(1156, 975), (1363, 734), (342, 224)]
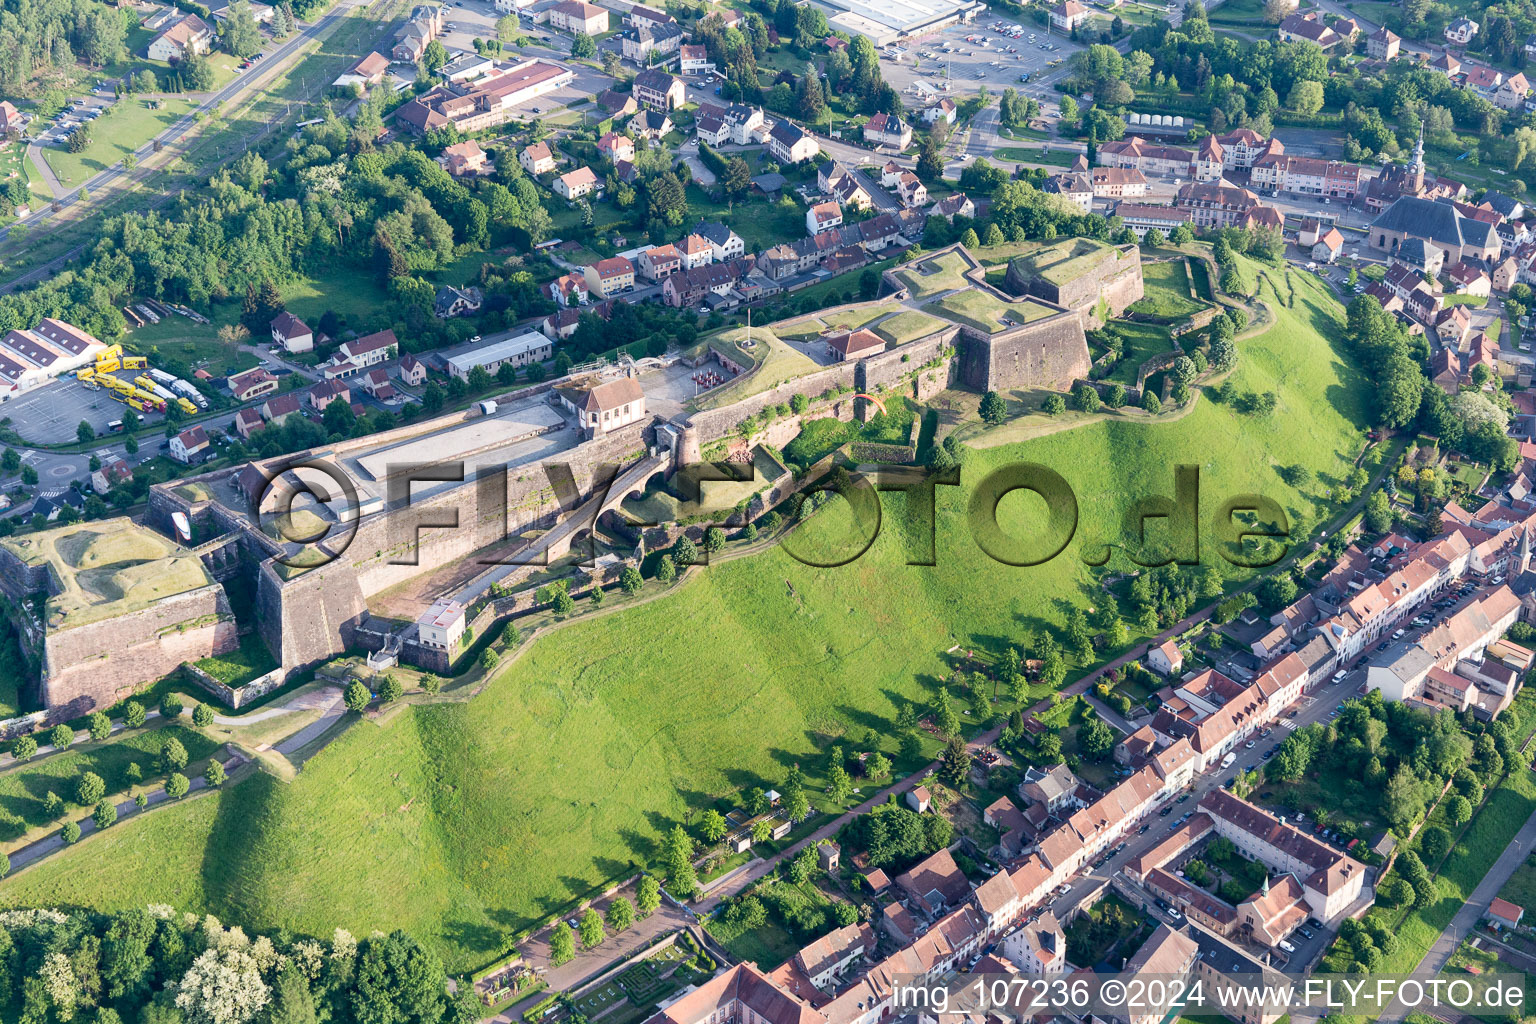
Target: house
[(1460, 31), (919, 799), (694, 60), (412, 370), (575, 16), (115, 472), (251, 384), (823, 217), (943, 110), (789, 144), (1166, 659), (1383, 44), (1466, 279), (888, 130), (611, 276), (573, 185), (537, 158), (616, 147), (639, 14), (247, 422), (912, 191), (697, 285), (660, 262), (1504, 913), (600, 407), (1117, 182), (366, 72), (376, 382), (724, 243), (1483, 80), (617, 105), (1149, 159), (658, 90), (370, 349), (957, 205), (279, 407), (1511, 94), (1306, 28), (490, 100), (568, 290), (465, 157), (1143, 217), (651, 124), (292, 333), (1328, 247), (187, 34), (1446, 64), (1068, 15), (696, 251), (11, 120), (738, 123), (189, 445), (328, 391), (845, 345), (639, 43), (451, 302)]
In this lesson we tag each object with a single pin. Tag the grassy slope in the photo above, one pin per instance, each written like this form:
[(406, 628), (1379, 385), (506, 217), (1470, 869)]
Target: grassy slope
[(464, 823)]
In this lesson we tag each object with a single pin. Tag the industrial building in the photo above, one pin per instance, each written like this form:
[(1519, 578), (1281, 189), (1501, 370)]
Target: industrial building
[(888, 20)]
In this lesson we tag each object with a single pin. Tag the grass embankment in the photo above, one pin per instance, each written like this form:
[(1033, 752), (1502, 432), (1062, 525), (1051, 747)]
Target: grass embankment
[(465, 823)]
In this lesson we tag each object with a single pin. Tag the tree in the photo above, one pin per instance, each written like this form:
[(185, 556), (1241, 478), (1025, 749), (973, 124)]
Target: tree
[(171, 707), (356, 696), (105, 815), (714, 539), (99, 725), (61, 736), (712, 826), (1150, 402), (1095, 739), (666, 569), (993, 409), (677, 856), (24, 748), (631, 580), (878, 766), (1053, 405), (239, 34), (292, 1000), (955, 764), (647, 896), (1458, 810), (944, 715), (1306, 97), (70, 833), (621, 913), (969, 239), (1378, 513), (583, 46), (176, 786), (1085, 398), (390, 688), (89, 788), (202, 716), (85, 433), (591, 928), (173, 756), (562, 944), (215, 775)]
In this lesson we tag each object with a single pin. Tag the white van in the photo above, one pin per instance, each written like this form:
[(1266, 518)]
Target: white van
[(1287, 947), (1226, 762)]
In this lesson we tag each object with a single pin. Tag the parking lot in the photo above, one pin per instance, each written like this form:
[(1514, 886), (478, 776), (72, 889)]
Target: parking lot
[(970, 56), (51, 414), (79, 111)]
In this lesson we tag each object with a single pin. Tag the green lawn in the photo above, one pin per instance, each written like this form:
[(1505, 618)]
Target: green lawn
[(982, 310), (195, 344), (773, 943), (907, 326), (926, 278), (129, 126), (241, 665), (466, 823), (1166, 291), (1142, 342), (1032, 155)]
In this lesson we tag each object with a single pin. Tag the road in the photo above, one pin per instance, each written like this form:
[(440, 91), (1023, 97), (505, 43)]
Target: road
[(275, 62)]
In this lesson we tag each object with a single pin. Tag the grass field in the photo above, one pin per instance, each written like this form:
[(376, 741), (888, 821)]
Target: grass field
[(241, 665), (984, 311), (1142, 342), (465, 823), (907, 326), (1033, 155), (130, 125), (1166, 291), (927, 278)]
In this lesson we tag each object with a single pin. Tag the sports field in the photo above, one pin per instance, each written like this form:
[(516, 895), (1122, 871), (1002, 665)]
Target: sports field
[(464, 823)]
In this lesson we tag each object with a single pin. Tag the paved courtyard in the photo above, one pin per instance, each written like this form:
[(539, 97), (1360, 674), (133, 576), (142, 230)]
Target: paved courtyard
[(51, 414)]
